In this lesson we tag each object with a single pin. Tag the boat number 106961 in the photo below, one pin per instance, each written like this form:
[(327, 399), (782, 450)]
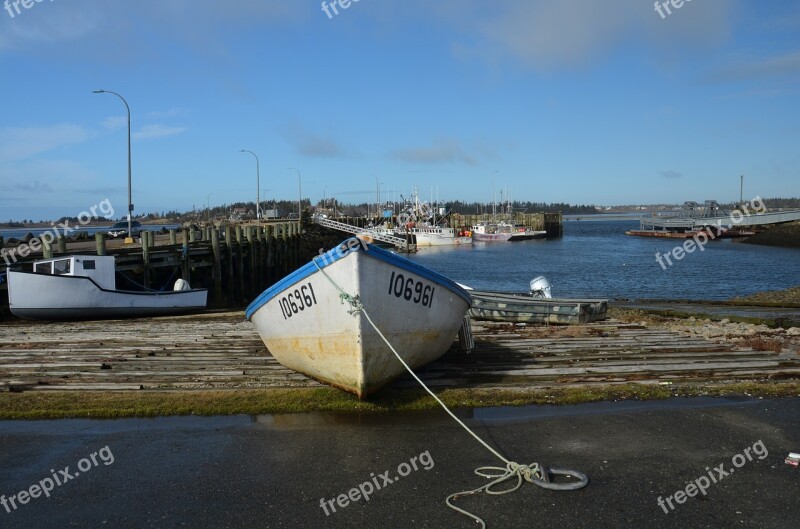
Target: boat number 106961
[(410, 290), (302, 298)]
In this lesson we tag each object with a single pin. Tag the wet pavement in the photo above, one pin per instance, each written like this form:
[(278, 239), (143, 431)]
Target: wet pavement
[(273, 471)]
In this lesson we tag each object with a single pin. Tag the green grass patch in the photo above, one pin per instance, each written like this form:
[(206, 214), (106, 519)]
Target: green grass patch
[(111, 405)]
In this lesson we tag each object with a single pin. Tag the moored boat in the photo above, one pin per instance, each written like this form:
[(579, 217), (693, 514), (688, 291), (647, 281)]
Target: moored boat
[(307, 326), (84, 287), (525, 308), (504, 232)]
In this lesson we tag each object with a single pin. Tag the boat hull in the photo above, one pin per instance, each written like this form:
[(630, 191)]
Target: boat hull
[(523, 308), (426, 239), (52, 297), (508, 237), (308, 328)]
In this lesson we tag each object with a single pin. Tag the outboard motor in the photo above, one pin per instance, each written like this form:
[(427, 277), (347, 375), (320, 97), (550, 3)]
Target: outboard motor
[(182, 284), (540, 287)]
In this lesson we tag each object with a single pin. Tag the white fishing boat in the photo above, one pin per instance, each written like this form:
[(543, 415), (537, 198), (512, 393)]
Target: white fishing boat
[(437, 236), (84, 287), (504, 232), (308, 326), (419, 223)]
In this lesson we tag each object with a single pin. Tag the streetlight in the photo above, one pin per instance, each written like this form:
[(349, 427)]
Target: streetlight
[(128, 108), (300, 193), (324, 196), (258, 187), (208, 205)]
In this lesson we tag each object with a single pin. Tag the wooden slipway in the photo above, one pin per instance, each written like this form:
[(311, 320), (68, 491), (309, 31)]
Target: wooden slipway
[(223, 351)]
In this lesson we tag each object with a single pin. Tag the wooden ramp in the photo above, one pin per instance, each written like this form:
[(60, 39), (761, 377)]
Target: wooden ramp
[(223, 351)]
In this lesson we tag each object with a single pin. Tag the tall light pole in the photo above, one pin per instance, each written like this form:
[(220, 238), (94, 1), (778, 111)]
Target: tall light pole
[(258, 187), (300, 193), (324, 196), (128, 108), (208, 205)]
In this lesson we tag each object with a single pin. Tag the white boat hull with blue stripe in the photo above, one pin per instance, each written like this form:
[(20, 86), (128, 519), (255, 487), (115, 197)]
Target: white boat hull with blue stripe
[(308, 327)]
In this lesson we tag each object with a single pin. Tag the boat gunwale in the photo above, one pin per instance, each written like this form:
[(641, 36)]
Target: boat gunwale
[(335, 254), (87, 278)]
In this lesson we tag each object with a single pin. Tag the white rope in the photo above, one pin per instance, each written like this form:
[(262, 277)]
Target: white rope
[(532, 473)]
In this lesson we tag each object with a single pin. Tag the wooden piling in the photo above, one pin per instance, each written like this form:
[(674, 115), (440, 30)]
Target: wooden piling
[(62, 245), (240, 264), (187, 267), (47, 248), (100, 242), (230, 293), (217, 267), (173, 236), (146, 257)]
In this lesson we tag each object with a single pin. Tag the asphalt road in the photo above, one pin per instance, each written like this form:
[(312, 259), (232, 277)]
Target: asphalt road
[(272, 471)]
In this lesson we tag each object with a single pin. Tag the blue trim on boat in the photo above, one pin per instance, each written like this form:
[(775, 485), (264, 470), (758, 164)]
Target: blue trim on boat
[(353, 244)]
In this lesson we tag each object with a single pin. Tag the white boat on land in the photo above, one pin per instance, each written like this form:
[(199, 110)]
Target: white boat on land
[(504, 231), (307, 326), (84, 287)]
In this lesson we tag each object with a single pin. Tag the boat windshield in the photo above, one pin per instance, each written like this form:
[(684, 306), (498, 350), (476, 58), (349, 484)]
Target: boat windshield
[(43, 268), (61, 267)]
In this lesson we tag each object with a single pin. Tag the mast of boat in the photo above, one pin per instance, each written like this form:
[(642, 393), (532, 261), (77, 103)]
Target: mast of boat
[(494, 200)]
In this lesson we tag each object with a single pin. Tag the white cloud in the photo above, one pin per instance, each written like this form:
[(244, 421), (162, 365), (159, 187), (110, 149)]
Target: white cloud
[(115, 122), (547, 35), (754, 68), (156, 131), (440, 151), (312, 144), (18, 143)]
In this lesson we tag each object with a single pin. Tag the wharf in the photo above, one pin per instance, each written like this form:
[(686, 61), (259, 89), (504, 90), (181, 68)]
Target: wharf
[(220, 350)]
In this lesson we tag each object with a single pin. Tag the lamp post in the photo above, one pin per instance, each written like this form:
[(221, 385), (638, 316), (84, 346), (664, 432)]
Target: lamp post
[(258, 187), (128, 108), (208, 205), (324, 196), (300, 193)]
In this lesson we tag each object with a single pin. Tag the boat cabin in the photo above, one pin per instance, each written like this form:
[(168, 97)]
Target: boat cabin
[(100, 268)]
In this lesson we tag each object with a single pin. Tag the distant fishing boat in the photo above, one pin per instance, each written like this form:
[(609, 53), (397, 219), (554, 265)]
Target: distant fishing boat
[(418, 222), (504, 232), (84, 287), (308, 327), (536, 306)]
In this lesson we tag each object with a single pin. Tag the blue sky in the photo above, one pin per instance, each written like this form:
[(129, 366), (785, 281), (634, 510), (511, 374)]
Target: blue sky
[(577, 101)]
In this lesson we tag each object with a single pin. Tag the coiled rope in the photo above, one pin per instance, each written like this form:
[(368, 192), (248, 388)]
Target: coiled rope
[(532, 473)]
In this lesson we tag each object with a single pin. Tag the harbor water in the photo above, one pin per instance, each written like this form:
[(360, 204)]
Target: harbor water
[(597, 259)]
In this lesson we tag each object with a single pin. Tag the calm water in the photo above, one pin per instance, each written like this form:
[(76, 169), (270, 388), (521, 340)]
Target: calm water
[(597, 259)]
